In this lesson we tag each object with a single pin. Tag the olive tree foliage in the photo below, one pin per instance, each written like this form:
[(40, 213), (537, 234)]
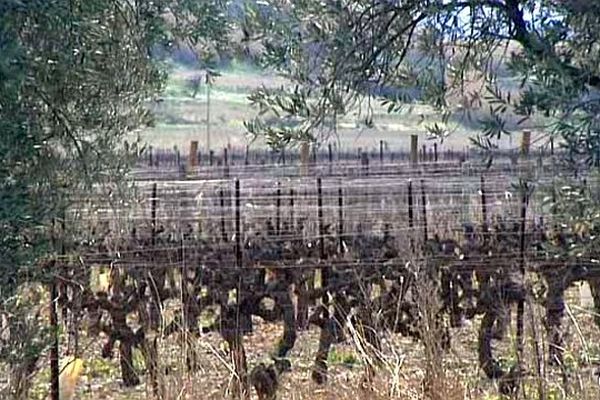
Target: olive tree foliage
[(339, 54), (76, 78), (456, 54)]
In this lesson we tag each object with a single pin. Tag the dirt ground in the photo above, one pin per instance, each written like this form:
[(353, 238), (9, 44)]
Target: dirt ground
[(401, 377)]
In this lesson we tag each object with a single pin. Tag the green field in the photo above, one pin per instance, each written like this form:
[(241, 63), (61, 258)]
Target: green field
[(182, 118)]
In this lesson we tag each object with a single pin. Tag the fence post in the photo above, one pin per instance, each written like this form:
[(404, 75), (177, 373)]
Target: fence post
[(381, 152), (414, 150), (330, 158), (304, 155), (324, 270), (54, 349), (193, 158), (222, 204), (153, 203), (238, 227), (525, 143), (278, 210), (341, 219), (424, 210), (435, 152), (225, 162), (292, 224), (521, 304), (411, 220), (485, 227), (483, 201), (365, 162)]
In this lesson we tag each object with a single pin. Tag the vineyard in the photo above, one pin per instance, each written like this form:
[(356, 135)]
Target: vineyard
[(306, 200), (376, 252)]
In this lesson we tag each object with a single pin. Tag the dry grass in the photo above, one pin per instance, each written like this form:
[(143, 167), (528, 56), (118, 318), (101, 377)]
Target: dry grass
[(453, 374)]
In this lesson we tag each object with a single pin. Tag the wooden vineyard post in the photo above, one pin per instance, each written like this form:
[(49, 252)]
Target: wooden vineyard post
[(424, 158), (414, 150), (340, 304), (71, 314), (301, 288), (324, 270), (54, 348), (222, 204), (525, 143), (238, 226), (435, 153), (521, 303), (231, 323), (484, 211), (411, 221), (330, 158), (246, 322), (246, 158), (292, 222), (381, 152), (238, 246), (238, 239), (483, 203), (225, 163), (149, 346), (304, 155), (193, 154), (150, 160), (424, 210), (341, 220), (211, 157), (153, 202), (364, 160), (54, 329), (246, 326), (278, 210)]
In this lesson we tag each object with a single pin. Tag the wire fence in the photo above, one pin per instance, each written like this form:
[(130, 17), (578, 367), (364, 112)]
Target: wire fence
[(197, 233)]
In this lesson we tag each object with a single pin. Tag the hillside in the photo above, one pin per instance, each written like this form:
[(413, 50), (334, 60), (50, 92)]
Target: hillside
[(181, 117)]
